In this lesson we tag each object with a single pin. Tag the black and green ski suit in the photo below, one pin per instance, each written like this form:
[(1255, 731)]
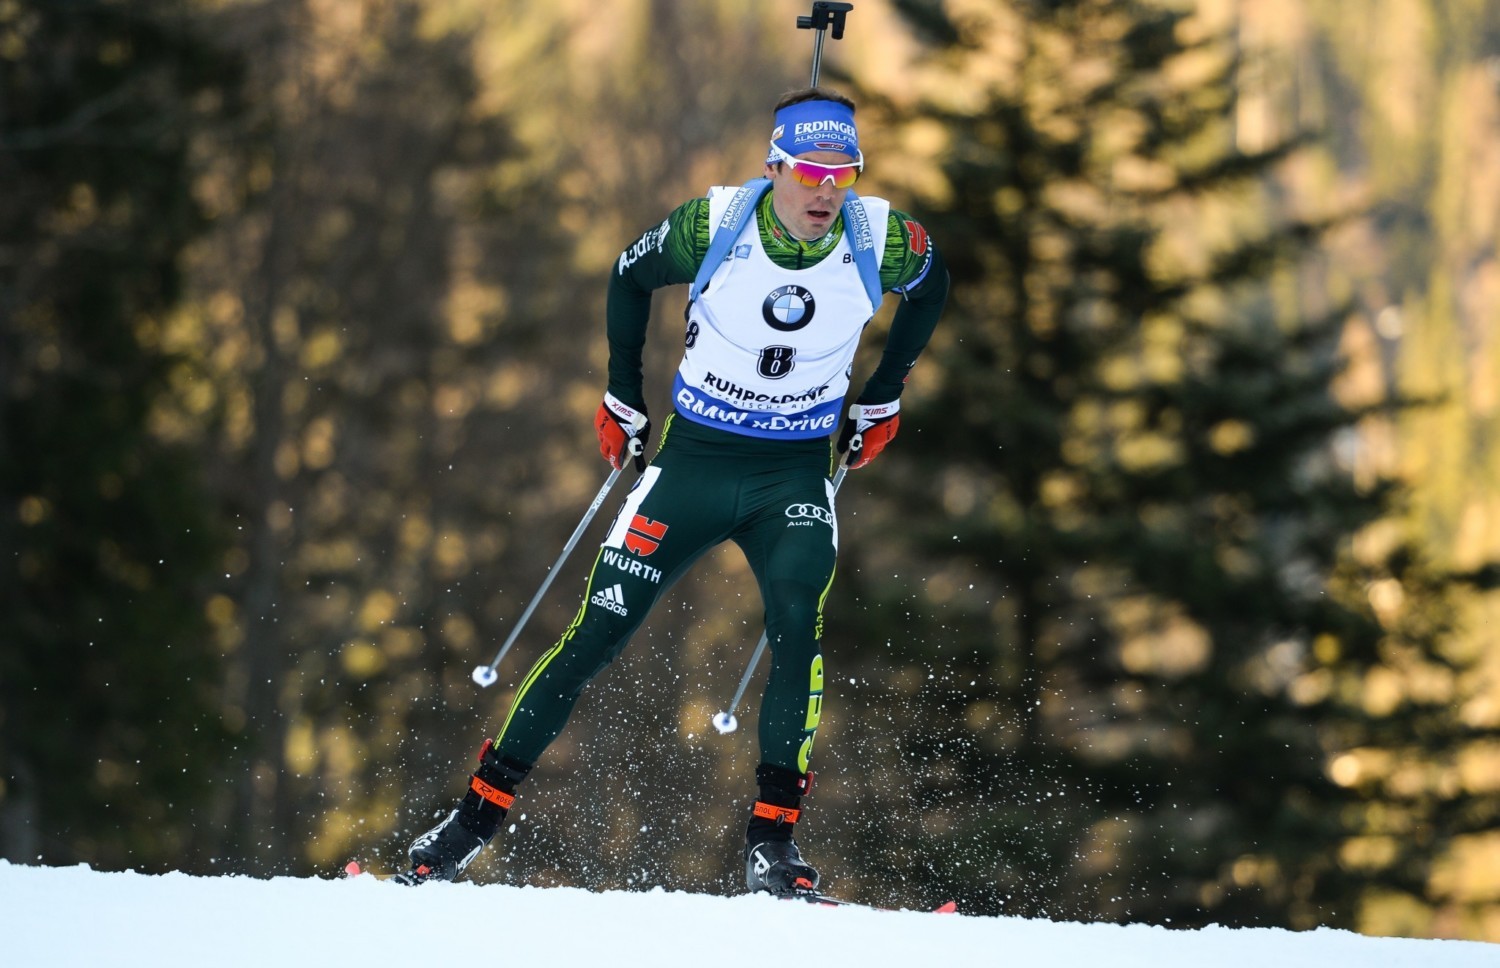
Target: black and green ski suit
[(708, 484)]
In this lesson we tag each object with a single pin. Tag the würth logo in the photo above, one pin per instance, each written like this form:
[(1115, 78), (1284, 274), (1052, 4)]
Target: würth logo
[(630, 566), (612, 599), (644, 535)]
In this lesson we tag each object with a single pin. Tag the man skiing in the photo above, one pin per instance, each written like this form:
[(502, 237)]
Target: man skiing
[(785, 274)]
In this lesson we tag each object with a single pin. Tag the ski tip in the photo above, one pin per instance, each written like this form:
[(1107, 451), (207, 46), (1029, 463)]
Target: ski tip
[(352, 869), (948, 907)]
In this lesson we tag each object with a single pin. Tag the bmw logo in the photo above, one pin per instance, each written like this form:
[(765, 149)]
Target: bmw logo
[(788, 308)]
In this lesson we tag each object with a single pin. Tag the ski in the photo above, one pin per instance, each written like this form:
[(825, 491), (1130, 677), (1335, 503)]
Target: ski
[(824, 900), (353, 870)]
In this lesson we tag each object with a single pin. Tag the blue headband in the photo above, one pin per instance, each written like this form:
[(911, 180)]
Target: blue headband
[(815, 126)]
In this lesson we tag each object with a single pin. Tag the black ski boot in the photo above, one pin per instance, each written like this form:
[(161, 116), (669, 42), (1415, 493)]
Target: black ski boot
[(772, 861), (777, 866), (442, 853)]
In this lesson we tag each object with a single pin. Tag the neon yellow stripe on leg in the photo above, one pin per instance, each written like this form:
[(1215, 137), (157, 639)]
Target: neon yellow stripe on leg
[(549, 655)]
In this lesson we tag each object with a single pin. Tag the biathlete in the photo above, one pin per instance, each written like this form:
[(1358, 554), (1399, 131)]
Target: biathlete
[(785, 273)]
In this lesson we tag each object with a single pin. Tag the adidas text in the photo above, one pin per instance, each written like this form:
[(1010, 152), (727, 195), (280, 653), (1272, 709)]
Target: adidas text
[(612, 599)]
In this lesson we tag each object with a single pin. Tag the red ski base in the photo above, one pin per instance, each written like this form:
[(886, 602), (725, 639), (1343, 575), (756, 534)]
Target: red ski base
[(352, 869)]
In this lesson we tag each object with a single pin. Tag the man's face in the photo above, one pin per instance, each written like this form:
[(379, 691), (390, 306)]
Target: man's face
[(808, 211)]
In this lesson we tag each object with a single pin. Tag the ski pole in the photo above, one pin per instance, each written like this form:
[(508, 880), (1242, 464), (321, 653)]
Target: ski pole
[(485, 675), (824, 15), (725, 722)]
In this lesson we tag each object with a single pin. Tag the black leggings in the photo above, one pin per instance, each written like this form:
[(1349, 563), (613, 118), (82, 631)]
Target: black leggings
[(704, 487)]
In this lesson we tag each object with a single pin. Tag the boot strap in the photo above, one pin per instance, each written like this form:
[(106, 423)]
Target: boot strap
[(769, 811), (494, 795)]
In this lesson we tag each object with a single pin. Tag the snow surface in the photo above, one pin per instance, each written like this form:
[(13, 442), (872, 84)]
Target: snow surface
[(63, 916)]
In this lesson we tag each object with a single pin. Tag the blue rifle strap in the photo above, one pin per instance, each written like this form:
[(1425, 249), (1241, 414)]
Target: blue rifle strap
[(862, 241), (856, 223), (728, 231)]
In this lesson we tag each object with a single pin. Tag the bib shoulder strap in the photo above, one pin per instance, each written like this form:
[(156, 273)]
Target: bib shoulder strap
[(728, 231), (862, 241)]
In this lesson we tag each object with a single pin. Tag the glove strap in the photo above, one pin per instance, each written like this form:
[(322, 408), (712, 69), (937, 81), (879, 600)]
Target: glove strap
[(630, 418), (870, 414)]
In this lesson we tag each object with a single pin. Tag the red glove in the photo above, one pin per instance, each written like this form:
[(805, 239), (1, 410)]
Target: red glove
[(622, 430), (868, 428)]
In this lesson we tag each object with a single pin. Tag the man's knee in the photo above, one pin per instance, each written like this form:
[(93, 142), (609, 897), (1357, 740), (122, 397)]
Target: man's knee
[(794, 611)]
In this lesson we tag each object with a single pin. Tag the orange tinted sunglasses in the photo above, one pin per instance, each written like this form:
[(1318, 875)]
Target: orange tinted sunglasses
[(812, 174)]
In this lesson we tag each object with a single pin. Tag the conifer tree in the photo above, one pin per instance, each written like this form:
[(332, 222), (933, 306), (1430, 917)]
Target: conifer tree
[(1120, 497), (107, 674)]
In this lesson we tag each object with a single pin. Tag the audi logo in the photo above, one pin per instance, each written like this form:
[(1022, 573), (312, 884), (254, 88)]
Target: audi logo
[(814, 511)]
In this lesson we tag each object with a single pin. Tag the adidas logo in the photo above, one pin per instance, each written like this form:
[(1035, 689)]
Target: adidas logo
[(612, 599)]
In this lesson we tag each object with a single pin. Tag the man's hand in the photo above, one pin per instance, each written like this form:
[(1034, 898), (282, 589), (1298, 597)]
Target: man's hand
[(622, 430), (867, 429)]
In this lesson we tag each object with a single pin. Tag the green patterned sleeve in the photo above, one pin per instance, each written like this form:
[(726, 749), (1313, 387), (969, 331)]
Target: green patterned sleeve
[(665, 255), (908, 253), (913, 268)]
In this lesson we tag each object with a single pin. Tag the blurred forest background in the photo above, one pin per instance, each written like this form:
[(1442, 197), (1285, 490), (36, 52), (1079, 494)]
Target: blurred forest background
[(1173, 602)]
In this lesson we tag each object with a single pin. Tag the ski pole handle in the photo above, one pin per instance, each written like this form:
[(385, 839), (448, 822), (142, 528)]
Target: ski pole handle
[(724, 721), (485, 675), (637, 447)]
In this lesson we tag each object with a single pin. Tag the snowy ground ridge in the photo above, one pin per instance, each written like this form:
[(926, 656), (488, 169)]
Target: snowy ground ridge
[(64, 916)]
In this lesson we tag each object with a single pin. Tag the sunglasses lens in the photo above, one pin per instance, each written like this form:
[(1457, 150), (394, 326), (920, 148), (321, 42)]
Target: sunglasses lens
[(814, 175)]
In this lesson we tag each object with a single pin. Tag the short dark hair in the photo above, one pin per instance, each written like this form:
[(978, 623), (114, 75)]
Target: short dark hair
[(813, 94)]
